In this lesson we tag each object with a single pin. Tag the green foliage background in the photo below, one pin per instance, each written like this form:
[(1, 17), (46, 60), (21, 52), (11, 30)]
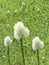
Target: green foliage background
[(35, 15)]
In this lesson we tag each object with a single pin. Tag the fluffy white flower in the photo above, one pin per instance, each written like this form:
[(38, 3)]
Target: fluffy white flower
[(7, 41), (20, 31), (37, 43)]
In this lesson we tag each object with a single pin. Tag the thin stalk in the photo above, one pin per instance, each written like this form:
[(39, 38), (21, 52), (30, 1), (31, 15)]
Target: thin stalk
[(38, 57), (8, 55), (22, 52)]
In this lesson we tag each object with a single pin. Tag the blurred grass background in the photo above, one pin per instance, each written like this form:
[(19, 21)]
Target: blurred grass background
[(35, 15)]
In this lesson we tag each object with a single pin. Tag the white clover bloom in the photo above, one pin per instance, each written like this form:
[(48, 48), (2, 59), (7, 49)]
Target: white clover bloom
[(37, 43), (8, 11), (23, 3), (20, 31), (7, 41)]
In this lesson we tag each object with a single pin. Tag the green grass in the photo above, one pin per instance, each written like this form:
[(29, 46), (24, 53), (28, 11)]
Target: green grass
[(36, 20)]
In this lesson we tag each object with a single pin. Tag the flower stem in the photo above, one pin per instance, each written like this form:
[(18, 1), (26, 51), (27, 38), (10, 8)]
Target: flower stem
[(8, 55), (22, 51), (38, 57)]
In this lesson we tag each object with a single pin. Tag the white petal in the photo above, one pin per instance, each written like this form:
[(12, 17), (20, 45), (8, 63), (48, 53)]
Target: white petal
[(37, 43), (20, 31), (7, 41)]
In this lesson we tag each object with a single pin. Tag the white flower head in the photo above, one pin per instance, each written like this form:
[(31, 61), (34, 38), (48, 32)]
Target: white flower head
[(7, 41), (23, 3), (20, 31), (37, 43)]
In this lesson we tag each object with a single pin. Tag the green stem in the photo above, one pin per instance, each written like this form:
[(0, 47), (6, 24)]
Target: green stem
[(22, 51), (8, 55), (38, 57)]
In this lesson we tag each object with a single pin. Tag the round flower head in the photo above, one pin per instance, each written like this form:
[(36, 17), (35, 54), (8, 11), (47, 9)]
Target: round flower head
[(7, 41), (37, 43), (20, 31)]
